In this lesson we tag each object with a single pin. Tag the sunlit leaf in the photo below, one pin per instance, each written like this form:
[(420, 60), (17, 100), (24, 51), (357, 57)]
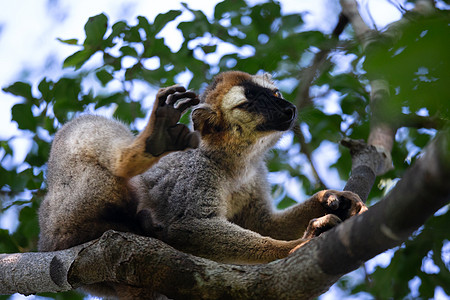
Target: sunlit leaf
[(162, 20), (22, 89), (104, 76), (68, 41), (78, 59), (95, 29), (22, 114)]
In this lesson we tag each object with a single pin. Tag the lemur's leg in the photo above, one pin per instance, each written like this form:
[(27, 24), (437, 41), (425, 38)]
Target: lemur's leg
[(91, 161)]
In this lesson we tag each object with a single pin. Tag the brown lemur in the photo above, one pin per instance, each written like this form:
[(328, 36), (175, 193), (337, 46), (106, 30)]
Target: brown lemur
[(212, 201)]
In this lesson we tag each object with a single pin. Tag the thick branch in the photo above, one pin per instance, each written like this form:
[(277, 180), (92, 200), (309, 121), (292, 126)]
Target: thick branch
[(142, 261), (366, 161), (382, 133), (422, 191), (28, 273)]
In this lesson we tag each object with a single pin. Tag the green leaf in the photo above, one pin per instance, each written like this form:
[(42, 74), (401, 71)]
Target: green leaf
[(20, 181), (104, 77), (21, 89), (45, 88), (28, 229), (67, 91), (78, 59), (226, 7), (156, 48), (144, 24), (264, 15), (129, 51), (209, 48), (118, 28), (5, 146), (107, 100), (118, 31), (69, 41), (133, 35), (128, 111), (95, 29), (6, 177), (22, 114), (285, 203), (115, 62), (196, 28), (162, 20), (291, 22), (37, 156), (7, 245)]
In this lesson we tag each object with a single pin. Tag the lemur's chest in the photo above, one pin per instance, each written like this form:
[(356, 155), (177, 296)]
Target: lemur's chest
[(237, 194)]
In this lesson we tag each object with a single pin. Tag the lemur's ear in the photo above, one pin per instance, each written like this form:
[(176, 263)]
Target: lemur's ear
[(267, 76), (204, 119)]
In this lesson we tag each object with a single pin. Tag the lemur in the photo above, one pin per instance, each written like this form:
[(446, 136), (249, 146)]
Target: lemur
[(212, 199)]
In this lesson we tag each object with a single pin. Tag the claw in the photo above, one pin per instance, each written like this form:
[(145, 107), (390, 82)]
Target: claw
[(172, 98), (184, 104)]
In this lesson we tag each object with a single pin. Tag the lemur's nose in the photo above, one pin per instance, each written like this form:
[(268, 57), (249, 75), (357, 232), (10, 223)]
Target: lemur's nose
[(290, 112)]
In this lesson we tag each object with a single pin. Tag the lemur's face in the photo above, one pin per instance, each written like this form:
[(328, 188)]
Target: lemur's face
[(241, 108), (258, 105)]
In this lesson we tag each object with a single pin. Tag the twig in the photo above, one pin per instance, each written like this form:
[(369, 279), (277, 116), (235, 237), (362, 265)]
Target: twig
[(308, 74), (305, 149), (415, 121)]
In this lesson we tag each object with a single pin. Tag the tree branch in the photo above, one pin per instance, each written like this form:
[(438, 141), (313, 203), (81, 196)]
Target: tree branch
[(383, 129), (28, 273), (381, 134), (365, 167), (305, 149), (416, 121), (146, 262), (307, 77), (308, 74)]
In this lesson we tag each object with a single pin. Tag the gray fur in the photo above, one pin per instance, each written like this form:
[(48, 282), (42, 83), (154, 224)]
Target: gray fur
[(213, 201)]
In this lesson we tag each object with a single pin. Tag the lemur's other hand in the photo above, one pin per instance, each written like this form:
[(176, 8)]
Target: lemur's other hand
[(318, 225), (342, 204), (168, 135)]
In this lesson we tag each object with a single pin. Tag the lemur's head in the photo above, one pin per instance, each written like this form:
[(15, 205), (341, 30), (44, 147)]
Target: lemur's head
[(241, 108)]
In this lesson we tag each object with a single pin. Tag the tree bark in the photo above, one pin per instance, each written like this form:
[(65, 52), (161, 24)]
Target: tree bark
[(307, 273)]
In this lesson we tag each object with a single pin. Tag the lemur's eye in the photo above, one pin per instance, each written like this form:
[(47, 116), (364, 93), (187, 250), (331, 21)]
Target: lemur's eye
[(277, 93), (243, 105)]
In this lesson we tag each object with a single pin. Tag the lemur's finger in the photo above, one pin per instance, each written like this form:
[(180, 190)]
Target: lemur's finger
[(185, 103), (172, 98), (164, 93)]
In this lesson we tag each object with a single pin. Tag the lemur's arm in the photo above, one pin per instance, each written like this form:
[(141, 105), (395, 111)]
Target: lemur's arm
[(220, 240), (298, 220), (162, 135)]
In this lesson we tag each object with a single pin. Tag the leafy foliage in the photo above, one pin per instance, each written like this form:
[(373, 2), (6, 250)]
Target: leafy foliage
[(116, 59)]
